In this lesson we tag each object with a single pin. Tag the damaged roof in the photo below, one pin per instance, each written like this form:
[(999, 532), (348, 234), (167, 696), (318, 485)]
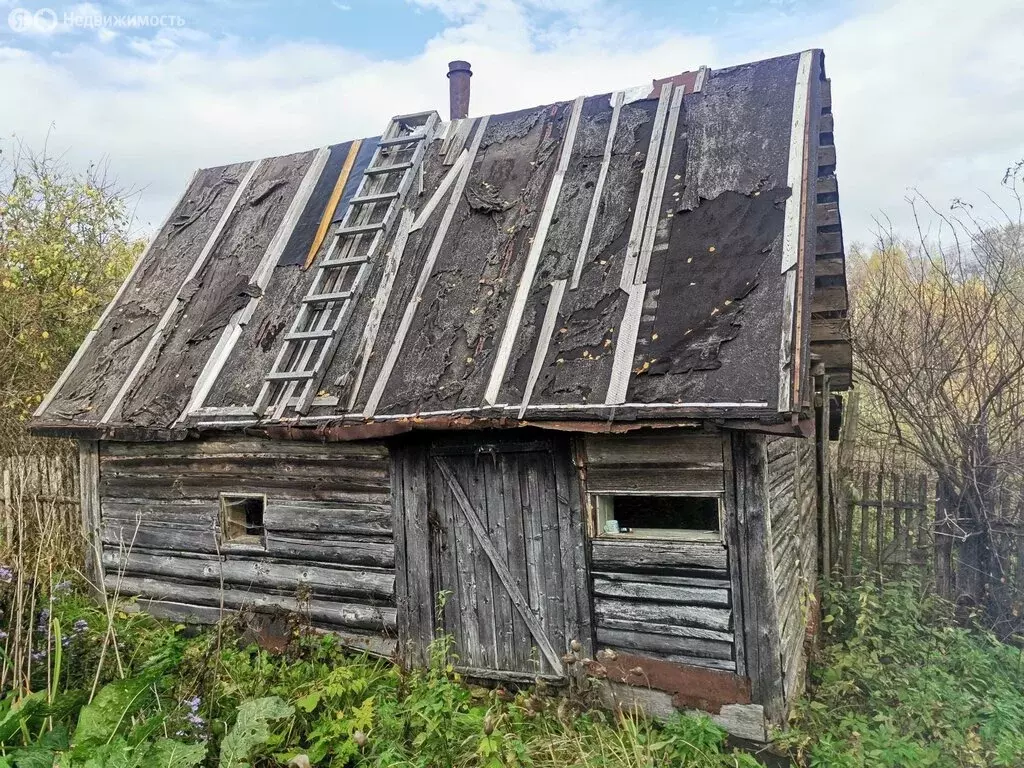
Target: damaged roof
[(670, 251)]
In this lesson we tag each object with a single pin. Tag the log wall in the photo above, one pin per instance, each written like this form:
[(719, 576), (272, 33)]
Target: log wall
[(792, 503), (666, 599), (328, 552)]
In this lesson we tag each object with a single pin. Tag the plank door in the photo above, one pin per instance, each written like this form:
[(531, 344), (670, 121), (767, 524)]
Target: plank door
[(508, 554)]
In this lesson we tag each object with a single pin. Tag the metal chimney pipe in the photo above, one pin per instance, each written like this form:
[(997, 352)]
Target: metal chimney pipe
[(458, 88)]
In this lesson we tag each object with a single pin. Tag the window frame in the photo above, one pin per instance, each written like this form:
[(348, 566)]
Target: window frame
[(686, 535), (246, 540)]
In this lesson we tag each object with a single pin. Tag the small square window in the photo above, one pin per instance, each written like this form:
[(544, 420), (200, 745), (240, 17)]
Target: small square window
[(694, 518), (242, 517)]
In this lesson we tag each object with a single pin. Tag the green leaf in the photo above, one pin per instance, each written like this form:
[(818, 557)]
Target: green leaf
[(175, 754), (308, 703), (113, 706), (251, 729), (21, 710), (33, 757)]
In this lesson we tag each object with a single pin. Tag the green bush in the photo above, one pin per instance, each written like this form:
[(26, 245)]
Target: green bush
[(899, 684), (117, 689)]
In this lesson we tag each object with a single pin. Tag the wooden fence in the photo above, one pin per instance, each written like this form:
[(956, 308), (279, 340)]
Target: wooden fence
[(891, 522), (886, 521), (38, 493)]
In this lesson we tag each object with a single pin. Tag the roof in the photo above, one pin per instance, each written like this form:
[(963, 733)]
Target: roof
[(670, 251)]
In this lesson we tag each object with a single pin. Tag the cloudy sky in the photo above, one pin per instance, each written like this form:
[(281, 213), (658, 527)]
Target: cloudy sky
[(928, 94)]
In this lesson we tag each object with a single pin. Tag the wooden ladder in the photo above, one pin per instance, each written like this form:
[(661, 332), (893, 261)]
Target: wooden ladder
[(309, 346)]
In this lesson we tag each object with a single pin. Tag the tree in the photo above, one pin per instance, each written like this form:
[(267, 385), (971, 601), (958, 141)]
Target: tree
[(937, 326), (65, 247)]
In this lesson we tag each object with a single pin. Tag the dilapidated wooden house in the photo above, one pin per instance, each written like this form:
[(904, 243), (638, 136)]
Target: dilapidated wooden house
[(566, 366)]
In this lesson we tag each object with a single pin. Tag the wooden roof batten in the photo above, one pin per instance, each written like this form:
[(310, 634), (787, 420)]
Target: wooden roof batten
[(555, 325)]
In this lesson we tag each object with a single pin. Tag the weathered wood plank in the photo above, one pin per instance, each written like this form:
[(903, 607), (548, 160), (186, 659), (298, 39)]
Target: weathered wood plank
[(660, 613), (373, 618), (323, 549), (516, 547), (699, 451), (502, 610), (539, 467), (649, 554), (829, 299), (657, 578), (242, 448), (260, 574), (661, 593), (362, 520), (89, 478), (760, 609), (412, 518), (647, 479), (575, 570), (627, 625), (644, 643)]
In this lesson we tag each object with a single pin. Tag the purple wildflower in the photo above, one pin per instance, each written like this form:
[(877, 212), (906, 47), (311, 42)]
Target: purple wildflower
[(80, 626), (44, 620), (193, 704), (6, 574), (195, 720)]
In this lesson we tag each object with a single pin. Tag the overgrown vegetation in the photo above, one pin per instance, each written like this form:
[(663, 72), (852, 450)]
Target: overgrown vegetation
[(121, 689), (898, 683), (936, 324), (65, 246)]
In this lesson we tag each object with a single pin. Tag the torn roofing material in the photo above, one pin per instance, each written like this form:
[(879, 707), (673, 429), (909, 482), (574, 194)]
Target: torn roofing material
[(650, 253)]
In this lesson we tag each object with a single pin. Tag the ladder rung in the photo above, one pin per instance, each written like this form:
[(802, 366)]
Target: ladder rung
[(325, 297), (368, 199), (408, 119), (290, 375), (387, 169), (401, 140), (360, 229), (307, 335), (344, 262)]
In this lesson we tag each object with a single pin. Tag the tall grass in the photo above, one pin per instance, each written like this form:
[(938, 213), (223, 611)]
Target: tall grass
[(41, 550)]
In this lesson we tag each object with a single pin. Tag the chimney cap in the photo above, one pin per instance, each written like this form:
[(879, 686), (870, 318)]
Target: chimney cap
[(459, 66)]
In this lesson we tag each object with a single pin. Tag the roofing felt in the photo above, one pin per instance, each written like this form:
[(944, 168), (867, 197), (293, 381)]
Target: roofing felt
[(647, 253)]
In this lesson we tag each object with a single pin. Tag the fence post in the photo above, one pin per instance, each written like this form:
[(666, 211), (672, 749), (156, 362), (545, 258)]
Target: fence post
[(879, 522), (943, 542)]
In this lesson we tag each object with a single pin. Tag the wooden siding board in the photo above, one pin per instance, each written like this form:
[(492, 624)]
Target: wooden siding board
[(760, 620), (497, 520), (793, 492), (575, 570), (160, 511), (654, 555), (516, 544)]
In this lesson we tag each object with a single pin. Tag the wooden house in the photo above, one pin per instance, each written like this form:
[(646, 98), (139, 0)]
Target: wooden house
[(555, 382)]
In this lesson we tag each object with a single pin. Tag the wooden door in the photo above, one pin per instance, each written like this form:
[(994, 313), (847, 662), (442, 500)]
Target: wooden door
[(507, 555)]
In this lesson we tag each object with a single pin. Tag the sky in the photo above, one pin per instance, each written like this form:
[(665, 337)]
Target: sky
[(928, 95)]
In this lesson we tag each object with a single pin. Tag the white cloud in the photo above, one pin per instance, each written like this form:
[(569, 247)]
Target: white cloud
[(926, 94)]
